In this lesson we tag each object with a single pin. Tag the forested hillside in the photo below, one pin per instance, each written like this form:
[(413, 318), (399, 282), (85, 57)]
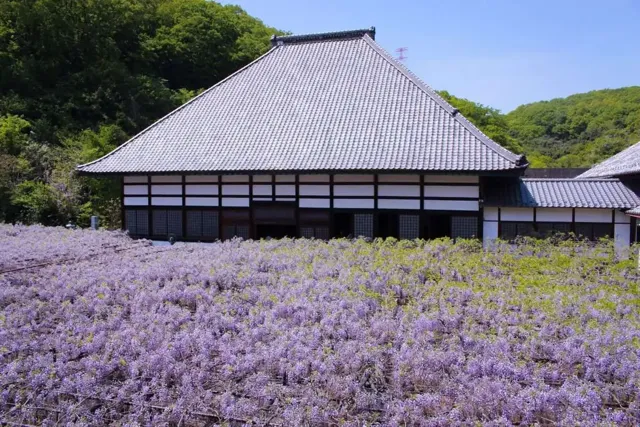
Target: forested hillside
[(78, 77), (577, 131)]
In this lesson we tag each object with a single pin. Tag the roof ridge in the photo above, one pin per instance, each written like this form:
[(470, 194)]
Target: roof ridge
[(576, 179), (611, 162), (171, 113), (336, 35), (492, 145)]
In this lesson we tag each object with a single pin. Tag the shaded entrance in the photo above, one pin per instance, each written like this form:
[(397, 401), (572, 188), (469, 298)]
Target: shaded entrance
[(275, 231), (275, 220), (437, 226)]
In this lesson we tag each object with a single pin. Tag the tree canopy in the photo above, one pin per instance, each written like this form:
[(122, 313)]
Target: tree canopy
[(78, 77), (578, 131)]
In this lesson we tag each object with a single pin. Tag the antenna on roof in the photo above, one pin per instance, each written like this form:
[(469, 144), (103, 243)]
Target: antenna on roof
[(400, 51)]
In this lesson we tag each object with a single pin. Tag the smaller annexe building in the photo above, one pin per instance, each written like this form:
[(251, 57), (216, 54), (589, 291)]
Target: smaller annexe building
[(327, 135)]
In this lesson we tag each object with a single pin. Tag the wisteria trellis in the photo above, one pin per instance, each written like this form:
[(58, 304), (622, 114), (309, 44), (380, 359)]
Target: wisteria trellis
[(308, 332)]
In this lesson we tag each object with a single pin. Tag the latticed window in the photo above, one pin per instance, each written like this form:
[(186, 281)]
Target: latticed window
[(465, 227), (363, 225), (159, 222), (408, 226), (594, 231), (546, 229), (137, 222), (210, 224), (202, 224), (314, 224), (231, 231), (318, 232), (509, 230), (235, 223), (167, 222)]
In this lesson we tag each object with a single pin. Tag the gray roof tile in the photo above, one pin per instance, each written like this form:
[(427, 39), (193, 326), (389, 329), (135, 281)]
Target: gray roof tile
[(562, 193), (334, 101), (626, 162), (634, 212)]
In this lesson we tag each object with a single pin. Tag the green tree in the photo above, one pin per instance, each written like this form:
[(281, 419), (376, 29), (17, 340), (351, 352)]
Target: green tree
[(77, 77), (487, 119)]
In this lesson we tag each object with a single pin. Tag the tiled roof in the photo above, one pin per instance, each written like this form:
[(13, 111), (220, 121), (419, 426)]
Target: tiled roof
[(334, 101), (561, 193), (635, 211), (626, 162)]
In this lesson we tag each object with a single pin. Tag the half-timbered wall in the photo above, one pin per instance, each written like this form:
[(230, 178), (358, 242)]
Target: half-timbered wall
[(408, 197), (398, 192), (589, 223)]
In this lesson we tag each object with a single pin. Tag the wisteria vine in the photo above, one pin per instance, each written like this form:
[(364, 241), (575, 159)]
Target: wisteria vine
[(306, 332)]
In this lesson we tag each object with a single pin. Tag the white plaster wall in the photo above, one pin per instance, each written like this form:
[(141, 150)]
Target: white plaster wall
[(315, 203), (622, 239), (262, 178), (593, 215), (235, 202), (554, 215), (285, 178), (201, 190), (353, 178), (398, 204), (136, 201), (262, 190), (516, 214), (314, 178), (622, 218), (235, 178), (451, 191), (135, 190), (285, 190), (398, 178), (201, 201), (235, 190), (166, 190), (353, 190), (489, 232), (314, 190), (166, 178), (201, 178), (166, 201), (135, 179), (491, 214), (399, 190), (451, 205), (353, 203), (452, 178)]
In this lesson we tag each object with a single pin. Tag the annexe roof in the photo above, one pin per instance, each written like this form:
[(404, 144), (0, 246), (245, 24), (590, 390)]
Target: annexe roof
[(334, 101), (562, 193), (634, 212), (626, 162)]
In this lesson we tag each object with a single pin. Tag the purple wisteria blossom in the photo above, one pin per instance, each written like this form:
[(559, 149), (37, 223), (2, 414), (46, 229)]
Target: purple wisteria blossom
[(98, 329)]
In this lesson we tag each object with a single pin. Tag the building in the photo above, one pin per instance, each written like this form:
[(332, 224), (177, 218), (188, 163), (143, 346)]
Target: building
[(327, 135)]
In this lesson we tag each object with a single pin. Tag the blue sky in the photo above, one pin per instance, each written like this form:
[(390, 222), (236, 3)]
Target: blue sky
[(499, 53)]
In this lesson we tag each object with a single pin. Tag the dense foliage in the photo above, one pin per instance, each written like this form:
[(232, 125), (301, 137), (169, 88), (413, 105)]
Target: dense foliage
[(77, 78), (310, 332), (578, 131)]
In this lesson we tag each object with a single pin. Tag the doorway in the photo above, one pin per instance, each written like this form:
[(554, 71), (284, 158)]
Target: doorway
[(438, 226), (342, 224), (274, 220)]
